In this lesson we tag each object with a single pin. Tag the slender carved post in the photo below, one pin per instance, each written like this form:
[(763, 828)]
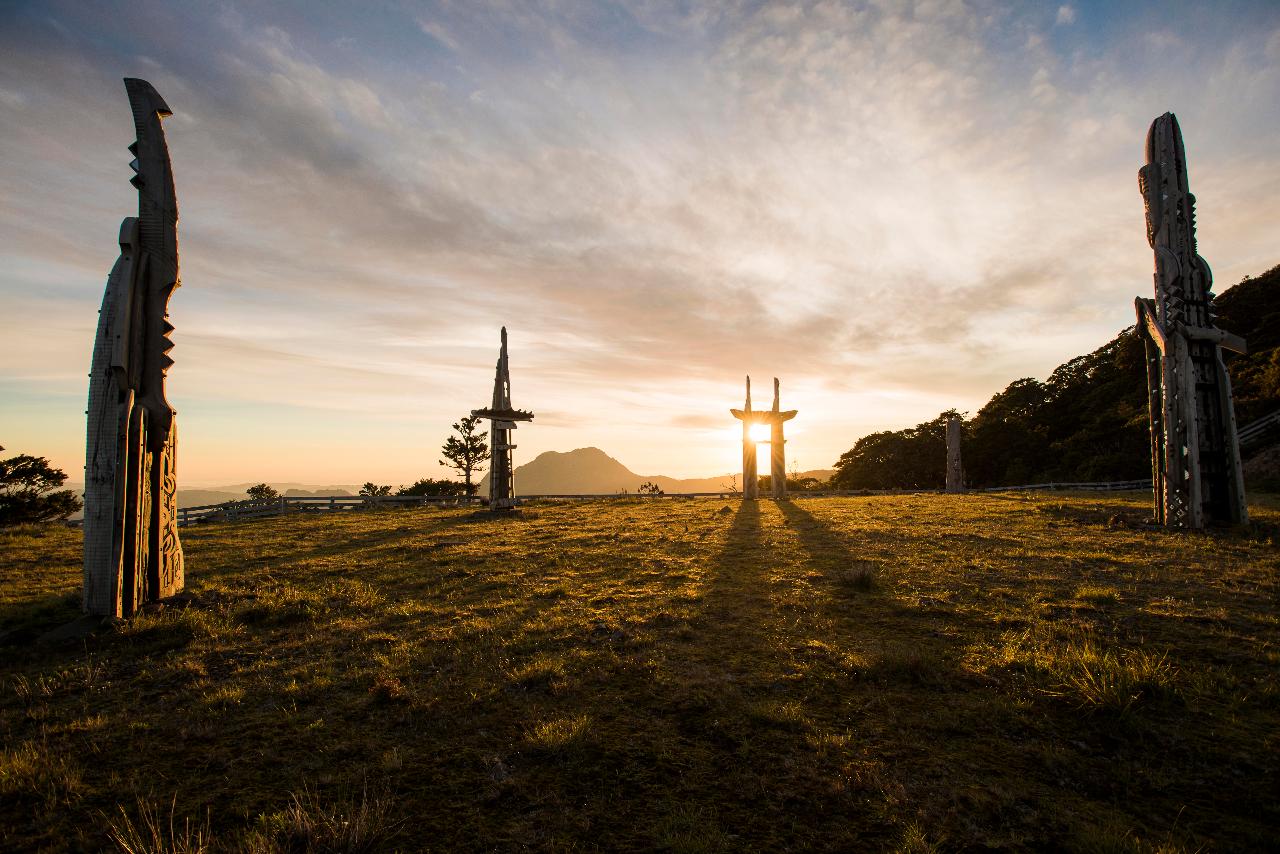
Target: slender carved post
[(955, 470), (777, 445), (502, 420), (1194, 448), (132, 554), (750, 480)]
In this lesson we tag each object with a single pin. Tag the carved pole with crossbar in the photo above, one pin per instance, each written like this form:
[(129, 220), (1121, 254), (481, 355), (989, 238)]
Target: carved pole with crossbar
[(502, 420), (1195, 455)]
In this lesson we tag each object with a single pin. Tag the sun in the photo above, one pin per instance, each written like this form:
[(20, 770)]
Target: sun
[(759, 432)]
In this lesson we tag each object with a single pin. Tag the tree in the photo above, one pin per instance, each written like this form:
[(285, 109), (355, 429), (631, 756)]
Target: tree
[(371, 490), (431, 486), (650, 488), (262, 492), (29, 491), (914, 458), (467, 451)]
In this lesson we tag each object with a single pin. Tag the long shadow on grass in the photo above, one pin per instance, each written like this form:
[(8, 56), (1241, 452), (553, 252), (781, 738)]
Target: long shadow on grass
[(26, 619), (907, 644), (327, 546), (735, 599), (727, 656)]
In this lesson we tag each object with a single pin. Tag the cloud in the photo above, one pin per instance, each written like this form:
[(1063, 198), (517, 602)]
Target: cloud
[(855, 197), (440, 34), (698, 421), (1066, 16)]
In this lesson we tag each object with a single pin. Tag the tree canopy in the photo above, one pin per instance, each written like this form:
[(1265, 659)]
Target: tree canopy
[(262, 492), (467, 451), (29, 491), (432, 486)]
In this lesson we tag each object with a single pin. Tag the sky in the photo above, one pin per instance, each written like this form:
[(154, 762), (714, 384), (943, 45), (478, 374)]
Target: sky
[(897, 208)]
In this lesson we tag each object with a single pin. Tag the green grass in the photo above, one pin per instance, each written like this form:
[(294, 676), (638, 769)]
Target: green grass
[(914, 673)]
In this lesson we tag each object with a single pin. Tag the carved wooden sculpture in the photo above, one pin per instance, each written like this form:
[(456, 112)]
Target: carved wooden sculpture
[(777, 445), (955, 470), (750, 481), (131, 550), (1195, 457), (502, 419)]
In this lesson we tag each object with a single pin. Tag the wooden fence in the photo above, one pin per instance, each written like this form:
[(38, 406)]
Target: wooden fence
[(251, 509)]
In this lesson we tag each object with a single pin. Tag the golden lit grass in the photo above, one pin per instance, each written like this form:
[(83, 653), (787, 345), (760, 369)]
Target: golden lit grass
[(916, 672)]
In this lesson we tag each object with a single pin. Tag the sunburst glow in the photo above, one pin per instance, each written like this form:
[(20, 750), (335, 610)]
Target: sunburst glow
[(760, 432)]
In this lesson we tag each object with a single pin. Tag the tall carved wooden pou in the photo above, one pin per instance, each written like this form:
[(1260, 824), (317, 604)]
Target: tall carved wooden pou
[(502, 420), (750, 481), (132, 554), (1195, 455), (955, 469), (778, 444)]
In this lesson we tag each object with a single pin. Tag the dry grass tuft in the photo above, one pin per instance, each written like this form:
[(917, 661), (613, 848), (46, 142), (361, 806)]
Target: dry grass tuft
[(1097, 594), (32, 772), (1092, 675), (312, 825), (154, 834), (560, 734), (858, 577)]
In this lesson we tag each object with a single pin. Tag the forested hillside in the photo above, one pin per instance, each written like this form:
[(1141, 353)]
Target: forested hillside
[(1087, 421)]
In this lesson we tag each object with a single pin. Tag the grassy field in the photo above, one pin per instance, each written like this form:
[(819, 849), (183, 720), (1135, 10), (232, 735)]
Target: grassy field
[(916, 673)]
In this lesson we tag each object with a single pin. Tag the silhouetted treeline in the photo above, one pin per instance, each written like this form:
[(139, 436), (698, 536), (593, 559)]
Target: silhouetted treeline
[(1087, 422)]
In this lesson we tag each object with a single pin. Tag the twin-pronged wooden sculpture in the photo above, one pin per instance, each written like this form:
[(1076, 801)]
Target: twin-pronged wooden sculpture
[(1195, 457), (131, 550), (502, 419), (777, 445)]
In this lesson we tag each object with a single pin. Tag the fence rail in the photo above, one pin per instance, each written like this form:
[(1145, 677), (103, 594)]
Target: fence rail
[(251, 509), (1093, 486), (1257, 431)]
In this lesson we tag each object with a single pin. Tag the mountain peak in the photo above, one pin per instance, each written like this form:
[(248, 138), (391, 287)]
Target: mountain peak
[(575, 454)]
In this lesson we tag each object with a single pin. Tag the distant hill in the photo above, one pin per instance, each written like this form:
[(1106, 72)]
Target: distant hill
[(590, 471), (201, 497), (236, 492), (1088, 421)]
